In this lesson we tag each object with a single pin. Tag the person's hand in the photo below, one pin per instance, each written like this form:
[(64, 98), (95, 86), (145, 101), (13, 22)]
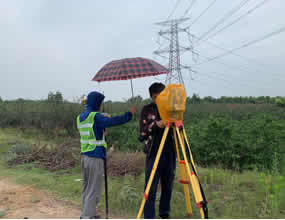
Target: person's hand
[(160, 124), (106, 133), (133, 110), (106, 115)]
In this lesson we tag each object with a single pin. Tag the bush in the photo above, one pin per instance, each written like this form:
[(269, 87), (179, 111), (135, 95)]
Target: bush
[(226, 132), (125, 137), (240, 145), (280, 102)]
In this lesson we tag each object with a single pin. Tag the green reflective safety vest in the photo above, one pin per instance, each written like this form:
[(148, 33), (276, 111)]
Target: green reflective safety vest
[(87, 137)]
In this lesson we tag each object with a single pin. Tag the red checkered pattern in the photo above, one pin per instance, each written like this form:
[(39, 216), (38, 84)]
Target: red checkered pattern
[(129, 68)]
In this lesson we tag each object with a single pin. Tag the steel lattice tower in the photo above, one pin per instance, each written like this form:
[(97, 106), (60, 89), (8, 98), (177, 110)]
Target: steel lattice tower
[(174, 66)]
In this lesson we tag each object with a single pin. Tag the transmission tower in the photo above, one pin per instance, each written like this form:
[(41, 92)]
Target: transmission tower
[(171, 34)]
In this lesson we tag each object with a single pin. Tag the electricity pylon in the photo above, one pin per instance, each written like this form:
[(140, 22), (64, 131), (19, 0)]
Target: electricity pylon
[(174, 66)]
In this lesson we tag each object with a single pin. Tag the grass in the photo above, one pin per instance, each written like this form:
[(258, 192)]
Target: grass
[(3, 213), (10, 136), (230, 194)]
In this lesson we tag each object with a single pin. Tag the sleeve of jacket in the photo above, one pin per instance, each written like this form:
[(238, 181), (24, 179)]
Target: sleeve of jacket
[(105, 122)]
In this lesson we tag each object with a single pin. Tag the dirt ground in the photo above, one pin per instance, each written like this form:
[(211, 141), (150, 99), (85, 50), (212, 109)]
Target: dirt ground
[(18, 202)]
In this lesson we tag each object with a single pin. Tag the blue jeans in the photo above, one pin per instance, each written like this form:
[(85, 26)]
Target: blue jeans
[(166, 173)]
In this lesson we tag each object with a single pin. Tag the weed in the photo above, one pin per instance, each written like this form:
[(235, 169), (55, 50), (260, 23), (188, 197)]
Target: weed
[(3, 213), (129, 196)]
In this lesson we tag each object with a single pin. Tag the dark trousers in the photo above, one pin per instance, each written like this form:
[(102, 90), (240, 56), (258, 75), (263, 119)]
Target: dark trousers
[(165, 172)]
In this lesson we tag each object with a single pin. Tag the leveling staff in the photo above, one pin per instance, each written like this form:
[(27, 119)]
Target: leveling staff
[(151, 131)]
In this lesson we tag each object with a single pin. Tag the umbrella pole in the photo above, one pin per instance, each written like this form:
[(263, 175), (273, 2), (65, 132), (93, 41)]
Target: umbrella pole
[(133, 95), (132, 88)]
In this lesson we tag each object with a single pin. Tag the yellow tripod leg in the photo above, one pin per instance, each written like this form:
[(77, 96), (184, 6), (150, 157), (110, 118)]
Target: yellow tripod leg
[(196, 189), (188, 146), (186, 187), (176, 143), (195, 177), (183, 174), (153, 171)]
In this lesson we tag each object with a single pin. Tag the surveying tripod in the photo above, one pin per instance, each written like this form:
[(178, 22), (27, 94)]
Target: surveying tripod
[(185, 171)]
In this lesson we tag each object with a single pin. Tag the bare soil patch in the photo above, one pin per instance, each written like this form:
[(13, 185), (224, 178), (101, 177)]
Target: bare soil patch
[(19, 201)]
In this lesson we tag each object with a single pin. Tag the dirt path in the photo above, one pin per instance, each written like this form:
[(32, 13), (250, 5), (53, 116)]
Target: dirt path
[(18, 201)]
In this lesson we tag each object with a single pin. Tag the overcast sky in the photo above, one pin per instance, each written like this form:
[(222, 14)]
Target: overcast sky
[(59, 45)]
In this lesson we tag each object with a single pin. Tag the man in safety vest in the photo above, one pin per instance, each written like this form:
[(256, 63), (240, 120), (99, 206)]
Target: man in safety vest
[(91, 125)]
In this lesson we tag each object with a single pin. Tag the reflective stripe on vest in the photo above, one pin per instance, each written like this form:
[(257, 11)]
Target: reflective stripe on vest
[(89, 125), (82, 133), (93, 142), (87, 137)]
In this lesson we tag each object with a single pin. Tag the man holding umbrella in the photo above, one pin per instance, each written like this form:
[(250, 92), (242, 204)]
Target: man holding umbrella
[(91, 125), (129, 69)]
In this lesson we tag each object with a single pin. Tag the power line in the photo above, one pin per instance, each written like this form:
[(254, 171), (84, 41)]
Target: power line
[(244, 81), (237, 19), (168, 17), (237, 55), (232, 53), (202, 13), (246, 45), (233, 82), (221, 48), (225, 82), (220, 79), (241, 68), (206, 82), (202, 83), (171, 13), (189, 8), (222, 20)]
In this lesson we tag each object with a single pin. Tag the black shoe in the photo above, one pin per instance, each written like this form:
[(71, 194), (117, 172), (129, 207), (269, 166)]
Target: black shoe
[(164, 216)]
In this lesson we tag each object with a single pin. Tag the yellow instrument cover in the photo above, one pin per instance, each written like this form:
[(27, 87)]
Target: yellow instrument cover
[(171, 103)]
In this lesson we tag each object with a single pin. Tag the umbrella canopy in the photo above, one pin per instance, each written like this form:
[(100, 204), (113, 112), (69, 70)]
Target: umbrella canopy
[(129, 68)]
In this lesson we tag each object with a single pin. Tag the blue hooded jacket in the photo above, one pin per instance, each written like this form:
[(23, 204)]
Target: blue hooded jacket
[(94, 101)]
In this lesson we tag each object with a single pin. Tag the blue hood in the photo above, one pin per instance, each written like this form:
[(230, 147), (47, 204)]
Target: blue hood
[(94, 101)]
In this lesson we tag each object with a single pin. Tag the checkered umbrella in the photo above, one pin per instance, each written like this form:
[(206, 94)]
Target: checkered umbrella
[(129, 68)]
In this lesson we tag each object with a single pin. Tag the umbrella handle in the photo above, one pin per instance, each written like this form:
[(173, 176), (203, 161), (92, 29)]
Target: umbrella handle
[(135, 115), (132, 88)]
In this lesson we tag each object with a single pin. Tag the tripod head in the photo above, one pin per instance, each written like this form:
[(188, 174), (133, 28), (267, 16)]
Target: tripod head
[(171, 103)]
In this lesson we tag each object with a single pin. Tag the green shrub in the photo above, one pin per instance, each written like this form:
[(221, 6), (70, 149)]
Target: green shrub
[(280, 102)]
